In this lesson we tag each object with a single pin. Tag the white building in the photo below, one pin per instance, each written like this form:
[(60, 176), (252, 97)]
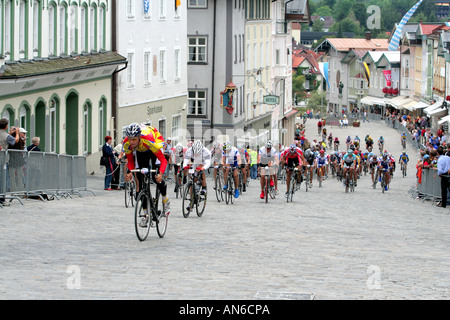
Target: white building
[(153, 89), (56, 67)]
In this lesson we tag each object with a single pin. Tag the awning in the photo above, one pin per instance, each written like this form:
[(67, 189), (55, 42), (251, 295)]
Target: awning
[(370, 100), (444, 119), (420, 105), (409, 105), (399, 101), (434, 106), (291, 113)]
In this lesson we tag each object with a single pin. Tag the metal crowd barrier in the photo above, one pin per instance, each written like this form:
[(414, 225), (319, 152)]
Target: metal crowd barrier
[(430, 187), (41, 174)]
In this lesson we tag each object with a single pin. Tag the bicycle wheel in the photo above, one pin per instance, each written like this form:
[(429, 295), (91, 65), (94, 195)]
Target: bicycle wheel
[(218, 188), (188, 198), (141, 228), (201, 204), (307, 181), (230, 188), (266, 189), (160, 217), (129, 195), (292, 188)]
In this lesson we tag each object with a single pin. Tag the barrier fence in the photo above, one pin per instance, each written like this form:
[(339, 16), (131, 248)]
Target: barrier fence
[(42, 175)]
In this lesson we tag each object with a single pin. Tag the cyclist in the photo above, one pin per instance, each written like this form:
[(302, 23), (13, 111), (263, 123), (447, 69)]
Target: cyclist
[(142, 146), (381, 143), (403, 139), (336, 144), (177, 158), (268, 156), (330, 140), (200, 157), (349, 162), (348, 141), (216, 155), (321, 163), (403, 159), (231, 159), (369, 143), (356, 142), (373, 161), (384, 165), (245, 160), (310, 157), (292, 158)]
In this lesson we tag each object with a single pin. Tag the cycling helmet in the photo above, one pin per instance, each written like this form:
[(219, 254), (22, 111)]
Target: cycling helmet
[(197, 147), (404, 152), (308, 153), (292, 148), (179, 148), (350, 151), (133, 130), (226, 146), (322, 151), (269, 144)]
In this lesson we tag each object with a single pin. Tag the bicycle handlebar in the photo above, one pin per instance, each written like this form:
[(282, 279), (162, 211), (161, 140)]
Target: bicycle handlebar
[(143, 170)]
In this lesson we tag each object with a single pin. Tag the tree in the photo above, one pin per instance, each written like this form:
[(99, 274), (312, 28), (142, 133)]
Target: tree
[(318, 25), (341, 9), (323, 11)]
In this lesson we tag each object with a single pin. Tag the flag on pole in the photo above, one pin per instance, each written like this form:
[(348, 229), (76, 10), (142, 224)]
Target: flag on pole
[(323, 66), (366, 72), (177, 3), (395, 40), (146, 6)]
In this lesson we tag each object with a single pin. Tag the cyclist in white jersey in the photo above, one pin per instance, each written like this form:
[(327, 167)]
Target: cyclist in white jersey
[(200, 158), (244, 164), (231, 158), (177, 161), (216, 155), (268, 156)]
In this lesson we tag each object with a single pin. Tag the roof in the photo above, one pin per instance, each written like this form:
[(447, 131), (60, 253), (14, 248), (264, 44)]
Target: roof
[(345, 44), (30, 68)]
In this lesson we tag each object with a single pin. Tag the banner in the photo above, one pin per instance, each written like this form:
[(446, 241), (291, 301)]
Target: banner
[(366, 72), (323, 66), (387, 76), (146, 5), (395, 40)]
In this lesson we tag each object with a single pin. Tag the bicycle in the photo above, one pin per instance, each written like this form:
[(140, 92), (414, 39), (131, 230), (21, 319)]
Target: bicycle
[(218, 183), (229, 191), (349, 183), (384, 185), (130, 193), (308, 178), (193, 195), (269, 190), (403, 167), (294, 184), (142, 220), (404, 144)]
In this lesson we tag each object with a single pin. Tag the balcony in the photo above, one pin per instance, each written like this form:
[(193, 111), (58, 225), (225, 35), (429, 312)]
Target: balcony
[(298, 11)]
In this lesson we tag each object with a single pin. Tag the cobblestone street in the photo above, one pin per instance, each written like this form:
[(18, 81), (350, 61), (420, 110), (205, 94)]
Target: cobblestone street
[(361, 245)]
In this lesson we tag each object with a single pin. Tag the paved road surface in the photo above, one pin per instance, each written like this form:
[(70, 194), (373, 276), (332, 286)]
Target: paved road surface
[(365, 245)]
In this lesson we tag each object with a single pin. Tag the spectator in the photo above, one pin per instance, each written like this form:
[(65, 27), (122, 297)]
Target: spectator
[(443, 166), (20, 141), (108, 153), (6, 139), (34, 146)]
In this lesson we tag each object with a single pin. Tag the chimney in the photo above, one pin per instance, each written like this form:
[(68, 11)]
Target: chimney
[(368, 35)]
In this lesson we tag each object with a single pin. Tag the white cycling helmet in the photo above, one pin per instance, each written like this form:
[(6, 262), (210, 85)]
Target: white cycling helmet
[(179, 148), (197, 147), (269, 144)]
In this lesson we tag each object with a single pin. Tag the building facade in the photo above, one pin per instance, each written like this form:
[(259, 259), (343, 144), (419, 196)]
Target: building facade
[(56, 67), (153, 88)]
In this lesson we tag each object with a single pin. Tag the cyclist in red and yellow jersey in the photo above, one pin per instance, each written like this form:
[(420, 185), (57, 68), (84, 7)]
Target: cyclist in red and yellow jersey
[(142, 145)]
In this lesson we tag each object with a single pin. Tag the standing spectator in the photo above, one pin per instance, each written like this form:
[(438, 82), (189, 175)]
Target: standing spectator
[(108, 152), (34, 146), (443, 166), (20, 141), (6, 139)]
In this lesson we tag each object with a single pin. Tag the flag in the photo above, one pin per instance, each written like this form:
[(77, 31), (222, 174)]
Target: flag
[(177, 3), (146, 6), (323, 66), (387, 76), (395, 40), (366, 72)]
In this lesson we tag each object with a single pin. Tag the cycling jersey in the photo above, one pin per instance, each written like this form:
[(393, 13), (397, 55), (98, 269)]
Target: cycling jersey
[(288, 155), (321, 161), (204, 158), (150, 139), (403, 136), (216, 155), (231, 157), (404, 157), (267, 156), (349, 160)]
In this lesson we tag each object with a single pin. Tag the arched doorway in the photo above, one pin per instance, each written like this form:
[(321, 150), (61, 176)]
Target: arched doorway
[(72, 123), (39, 124)]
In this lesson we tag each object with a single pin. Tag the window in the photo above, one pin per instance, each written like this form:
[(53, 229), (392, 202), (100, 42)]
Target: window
[(84, 28), (197, 4), (53, 124), (23, 35), (86, 127), (102, 26), (162, 66), (101, 123), (197, 49), (73, 29), (93, 28), (130, 9), (51, 30), (177, 64), (277, 56), (162, 127), (197, 102), (147, 67), (176, 129), (62, 29), (162, 9), (130, 70)]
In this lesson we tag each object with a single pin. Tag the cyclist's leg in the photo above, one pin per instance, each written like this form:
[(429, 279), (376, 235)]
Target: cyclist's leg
[(288, 178), (226, 169)]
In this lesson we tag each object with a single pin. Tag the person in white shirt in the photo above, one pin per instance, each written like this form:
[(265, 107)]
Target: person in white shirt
[(231, 158), (268, 156), (200, 157)]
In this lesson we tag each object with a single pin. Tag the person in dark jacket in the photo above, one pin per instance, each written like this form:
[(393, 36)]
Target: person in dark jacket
[(34, 146), (108, 152)]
